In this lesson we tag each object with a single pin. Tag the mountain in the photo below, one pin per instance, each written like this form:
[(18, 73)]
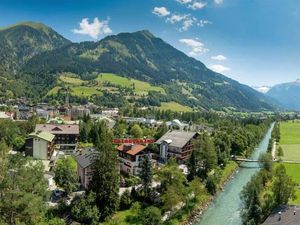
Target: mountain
[(287, 94), (18, 44), (139, 55), (262, 89)]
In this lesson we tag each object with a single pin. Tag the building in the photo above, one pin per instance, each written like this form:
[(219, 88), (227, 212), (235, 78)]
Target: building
[(130, 157), (99, 117), (42, 113), (79, 112), (66, 136), (176, 144), (6, 115), (40, 145), (176, 124), (284, 215), (85, 160)]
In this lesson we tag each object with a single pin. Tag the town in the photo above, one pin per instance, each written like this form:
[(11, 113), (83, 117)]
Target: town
[(158, 112), (161, 167)]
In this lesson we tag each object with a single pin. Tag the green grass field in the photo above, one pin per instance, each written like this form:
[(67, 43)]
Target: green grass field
[(140, 87), (70, 80), (293, 170), (85, 91), (290, 132), (81, 88), (174, 106), (290, 140), (291, 152)]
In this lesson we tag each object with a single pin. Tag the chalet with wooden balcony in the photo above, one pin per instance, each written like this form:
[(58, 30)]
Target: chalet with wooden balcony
[(176, 143)]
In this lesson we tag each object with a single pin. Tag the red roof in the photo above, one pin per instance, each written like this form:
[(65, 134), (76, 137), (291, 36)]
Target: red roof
[(58, 128), (131, 149)]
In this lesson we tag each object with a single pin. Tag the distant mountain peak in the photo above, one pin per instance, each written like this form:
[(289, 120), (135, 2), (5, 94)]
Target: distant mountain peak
[(34, 25), (297, 81), (262, 89)]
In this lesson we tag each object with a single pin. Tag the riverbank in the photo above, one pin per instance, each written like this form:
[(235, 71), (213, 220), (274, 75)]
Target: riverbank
[(226, 206), (196, 214)]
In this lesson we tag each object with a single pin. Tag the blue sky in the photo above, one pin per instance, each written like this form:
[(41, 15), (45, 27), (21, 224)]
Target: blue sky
[(256, 42)]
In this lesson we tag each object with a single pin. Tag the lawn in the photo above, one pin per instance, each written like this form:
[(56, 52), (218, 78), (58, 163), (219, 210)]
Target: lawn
[(85, 91), (66, 78), (121, 218), (79, 88), (174, 106), (293, 170), (291, 152), (290, 140), (140, 87), (290, 132)]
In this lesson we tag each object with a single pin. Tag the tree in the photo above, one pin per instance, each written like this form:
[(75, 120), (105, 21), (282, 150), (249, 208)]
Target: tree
[(146, 176), (136, 131), (280, 152), (211, 184), (84, 209), (161, 131), (126, 200), (105, 179), (56, 221), (283, 186), (196, 187), (252, 212), (150, 216), (23, 191), (65, 174), (84, 133), (18, 142), (173, 186), (265, 160), (203, 158)]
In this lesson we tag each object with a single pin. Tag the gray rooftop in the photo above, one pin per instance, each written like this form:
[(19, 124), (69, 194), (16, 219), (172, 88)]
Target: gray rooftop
[(178, 138), (287, 216), (86, 157)]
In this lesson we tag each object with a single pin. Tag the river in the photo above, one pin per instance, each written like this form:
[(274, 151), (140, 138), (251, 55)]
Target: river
[(225, 209)]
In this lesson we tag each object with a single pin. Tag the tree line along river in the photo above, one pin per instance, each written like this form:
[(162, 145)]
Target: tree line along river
[(226, 207)]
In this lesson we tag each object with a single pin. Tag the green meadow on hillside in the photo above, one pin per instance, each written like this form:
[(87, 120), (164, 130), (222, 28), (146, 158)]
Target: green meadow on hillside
[(104, 82), (139, 87), (174, 106)]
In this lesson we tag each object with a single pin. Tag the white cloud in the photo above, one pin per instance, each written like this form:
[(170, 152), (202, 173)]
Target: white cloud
[(197, 5), (186, 20), (218, 2), (197, 47), (219, 57), (93, 29), (202, 23), (219, 68), (175, 18), (184, 1), (161, 11)]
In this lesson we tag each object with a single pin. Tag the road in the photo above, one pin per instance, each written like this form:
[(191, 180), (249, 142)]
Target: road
[(274, 150)]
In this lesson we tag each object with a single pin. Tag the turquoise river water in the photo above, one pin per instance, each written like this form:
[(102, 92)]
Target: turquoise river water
[(225, 209)]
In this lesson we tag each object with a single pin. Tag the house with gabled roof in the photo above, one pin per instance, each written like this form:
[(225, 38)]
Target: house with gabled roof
[(85, 160), (131, 156), (66, 136), (40, 145), (176, 143)]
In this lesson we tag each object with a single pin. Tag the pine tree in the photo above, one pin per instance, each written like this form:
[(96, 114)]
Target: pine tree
[(146, 176), (105, 181), (204, 157)]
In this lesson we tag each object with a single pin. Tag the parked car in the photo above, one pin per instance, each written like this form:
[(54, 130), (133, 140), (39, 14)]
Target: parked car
[(58, 193)]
